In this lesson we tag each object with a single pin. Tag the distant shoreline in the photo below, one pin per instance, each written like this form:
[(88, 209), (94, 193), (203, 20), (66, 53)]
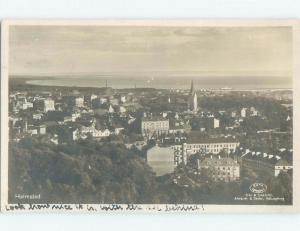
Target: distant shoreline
[(36, 81)]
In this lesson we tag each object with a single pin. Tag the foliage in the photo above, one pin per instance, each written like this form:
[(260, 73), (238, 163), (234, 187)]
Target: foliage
[(88, 171)]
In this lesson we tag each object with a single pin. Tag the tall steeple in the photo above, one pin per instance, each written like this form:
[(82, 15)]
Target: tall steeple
[(192, 100), (192, 87)]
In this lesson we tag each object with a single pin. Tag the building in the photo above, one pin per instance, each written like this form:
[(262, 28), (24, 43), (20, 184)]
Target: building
[(49, 105), (45, 105), (111, 109), (154, 126), (103, 100), (282, 166), (205, 123), (161, 160), (24, 104), (192, 99), (244, 112), (84, 131), (79, 102), (41, 129), (74, 100), (234, 114), (179, 129), (114, 101), (34, 129), (253, 111), (219, 169), (195, 144), (37, 116), (121, 109), (122, 98)]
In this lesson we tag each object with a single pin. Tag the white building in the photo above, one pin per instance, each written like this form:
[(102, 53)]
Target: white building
[(79, 101), (49, 105), (202, 145), (123, 98), (111, 109), (282, 166), (41, 129), (154, 125), (253, 111), (210, 145), (103, 100), (216, 123), (243, 112), (37, 116)]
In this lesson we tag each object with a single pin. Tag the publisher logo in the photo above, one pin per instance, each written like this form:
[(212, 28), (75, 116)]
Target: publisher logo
[(258, 188)]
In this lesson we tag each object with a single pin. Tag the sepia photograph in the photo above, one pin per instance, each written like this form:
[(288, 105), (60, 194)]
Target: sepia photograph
[(171, 116)]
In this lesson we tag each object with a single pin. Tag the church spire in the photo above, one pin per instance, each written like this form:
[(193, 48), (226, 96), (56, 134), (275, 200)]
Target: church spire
[(192, 100), (192, 87)]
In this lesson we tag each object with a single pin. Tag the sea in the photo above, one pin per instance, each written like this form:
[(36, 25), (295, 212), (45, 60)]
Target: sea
[(182, 82)]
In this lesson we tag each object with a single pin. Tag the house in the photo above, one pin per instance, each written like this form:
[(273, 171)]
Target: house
[(84, 131)]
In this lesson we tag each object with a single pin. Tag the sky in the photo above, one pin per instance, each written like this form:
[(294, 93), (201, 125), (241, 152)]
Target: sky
[(162, 51)]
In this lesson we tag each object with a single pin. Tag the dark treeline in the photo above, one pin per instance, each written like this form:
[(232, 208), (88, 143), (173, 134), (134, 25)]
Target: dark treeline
[(93, 172)]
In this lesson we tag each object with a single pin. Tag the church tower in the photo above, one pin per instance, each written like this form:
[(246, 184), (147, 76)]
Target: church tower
[(193, 99)]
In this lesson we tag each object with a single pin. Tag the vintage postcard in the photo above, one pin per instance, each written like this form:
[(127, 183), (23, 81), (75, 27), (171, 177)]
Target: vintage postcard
[(150, 116)]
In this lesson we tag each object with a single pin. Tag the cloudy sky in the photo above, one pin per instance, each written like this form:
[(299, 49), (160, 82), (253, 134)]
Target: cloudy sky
[(199, 51)]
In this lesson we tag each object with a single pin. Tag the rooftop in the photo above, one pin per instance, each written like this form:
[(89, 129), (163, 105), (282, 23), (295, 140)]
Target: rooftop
[(154, 118), (218, 162), (264, 157), (196, 138)]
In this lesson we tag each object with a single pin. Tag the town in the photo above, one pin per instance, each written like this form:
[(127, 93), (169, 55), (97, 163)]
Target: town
[(220, 135)]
